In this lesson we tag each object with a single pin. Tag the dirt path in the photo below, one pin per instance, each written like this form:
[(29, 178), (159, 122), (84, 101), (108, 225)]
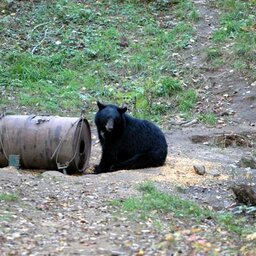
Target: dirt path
[(224, 92), (71, 215)]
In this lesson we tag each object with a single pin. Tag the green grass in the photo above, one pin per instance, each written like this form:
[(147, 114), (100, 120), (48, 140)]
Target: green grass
[(235, 37), (189, 8), (153, 199), (168, 86), (212, 54), (5, 218), (215, 57), (60, 56), (8, 197), (187, 100), (153, 203), (208, 118)]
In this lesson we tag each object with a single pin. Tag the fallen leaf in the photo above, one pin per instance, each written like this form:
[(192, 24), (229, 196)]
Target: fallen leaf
[(250, 28), (140, 253), (251, 237), (169, 238)]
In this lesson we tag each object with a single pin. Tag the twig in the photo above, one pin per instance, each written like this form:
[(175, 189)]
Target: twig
[(34, 49), (39, 25), (186, 124)]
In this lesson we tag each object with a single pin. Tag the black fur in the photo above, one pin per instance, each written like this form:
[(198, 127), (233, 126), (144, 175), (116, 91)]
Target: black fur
[(127, 142)]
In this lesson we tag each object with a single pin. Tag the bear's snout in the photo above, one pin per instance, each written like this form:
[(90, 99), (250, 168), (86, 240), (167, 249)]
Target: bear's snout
[(110, 125)]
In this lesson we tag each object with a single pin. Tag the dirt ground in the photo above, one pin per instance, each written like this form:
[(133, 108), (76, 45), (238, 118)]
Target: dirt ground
[(57, 214)]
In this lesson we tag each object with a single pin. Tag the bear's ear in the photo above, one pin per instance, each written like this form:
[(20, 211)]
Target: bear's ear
[(122, 110), (100, 105)]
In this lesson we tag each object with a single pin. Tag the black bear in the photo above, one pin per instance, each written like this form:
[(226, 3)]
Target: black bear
[(127, 142)]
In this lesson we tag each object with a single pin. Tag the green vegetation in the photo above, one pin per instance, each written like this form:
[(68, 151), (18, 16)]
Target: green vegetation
[(7, 197), (60, 56), (187, 100), (154, 202), (214, 56), (208, 118), (4, 218), (153, 199), (234, 42)]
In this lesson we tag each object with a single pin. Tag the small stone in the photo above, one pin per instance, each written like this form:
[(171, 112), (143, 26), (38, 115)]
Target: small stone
[(16, 235), (117, 253), (145, 231), (52, 174), (135, 247), (199, 169), (215, 173)]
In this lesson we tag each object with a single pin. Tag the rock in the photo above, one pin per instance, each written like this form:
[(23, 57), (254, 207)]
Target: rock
[(247, 161), (199, 169), (215, 173), (116, 253), (10, 169), (52, 174), (245, 194)]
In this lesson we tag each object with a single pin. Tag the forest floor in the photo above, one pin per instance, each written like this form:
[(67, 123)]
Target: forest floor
[(57, 214)]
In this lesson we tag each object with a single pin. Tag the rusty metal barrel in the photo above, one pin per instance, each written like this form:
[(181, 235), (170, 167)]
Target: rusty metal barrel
[(46, 142)]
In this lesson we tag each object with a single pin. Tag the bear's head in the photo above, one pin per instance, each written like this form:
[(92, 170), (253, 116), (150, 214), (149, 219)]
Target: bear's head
[(109, 119)]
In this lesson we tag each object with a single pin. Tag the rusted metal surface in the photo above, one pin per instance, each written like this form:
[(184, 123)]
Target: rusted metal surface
[(46, 142)]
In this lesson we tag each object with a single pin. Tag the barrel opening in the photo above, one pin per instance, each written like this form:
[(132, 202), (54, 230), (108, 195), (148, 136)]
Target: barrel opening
[(81, 164), (82, 147), (82, 156)]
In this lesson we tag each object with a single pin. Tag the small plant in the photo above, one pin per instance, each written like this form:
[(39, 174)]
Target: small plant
[(4, 218), (219, 35), (168, 86), (187, 100), (189, 9), (214, 56), (208, 118), (212, 53), (6, 197)]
